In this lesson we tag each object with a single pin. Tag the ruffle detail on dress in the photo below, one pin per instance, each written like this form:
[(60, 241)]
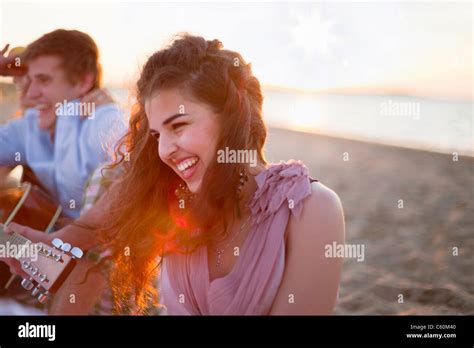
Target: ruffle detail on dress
[(282, 183)]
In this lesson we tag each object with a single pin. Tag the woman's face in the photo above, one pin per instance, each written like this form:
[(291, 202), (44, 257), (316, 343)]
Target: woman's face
[(187, 134)]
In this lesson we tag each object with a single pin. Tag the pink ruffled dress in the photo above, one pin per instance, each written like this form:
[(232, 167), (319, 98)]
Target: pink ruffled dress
[(251, 286)]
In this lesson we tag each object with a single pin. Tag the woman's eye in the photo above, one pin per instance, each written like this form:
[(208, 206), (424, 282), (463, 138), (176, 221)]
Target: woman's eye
[(156, 136), (176, 126)]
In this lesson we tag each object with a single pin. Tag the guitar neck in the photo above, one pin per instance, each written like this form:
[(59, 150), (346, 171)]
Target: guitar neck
[(13, 238)]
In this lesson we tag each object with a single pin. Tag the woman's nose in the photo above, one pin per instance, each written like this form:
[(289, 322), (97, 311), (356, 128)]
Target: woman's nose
[(166, 147)]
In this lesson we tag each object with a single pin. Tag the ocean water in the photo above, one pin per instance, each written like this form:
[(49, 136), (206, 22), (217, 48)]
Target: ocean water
[(434, 125), (419, 123)]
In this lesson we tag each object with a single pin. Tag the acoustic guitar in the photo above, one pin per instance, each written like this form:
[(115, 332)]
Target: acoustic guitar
[(47, 267), (24, 201)]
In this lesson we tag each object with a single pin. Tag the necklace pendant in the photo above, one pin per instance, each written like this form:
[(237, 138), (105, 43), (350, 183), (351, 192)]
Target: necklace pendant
[(219, 259)]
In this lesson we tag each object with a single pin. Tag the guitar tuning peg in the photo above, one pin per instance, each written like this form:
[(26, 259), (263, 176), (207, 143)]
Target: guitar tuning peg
[(77, 253), (43, 297), (26, 264), (66, 247), (36, 291), (57, 243), (27, 284)]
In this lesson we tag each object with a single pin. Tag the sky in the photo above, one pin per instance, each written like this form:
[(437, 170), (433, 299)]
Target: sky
[(422, 48)]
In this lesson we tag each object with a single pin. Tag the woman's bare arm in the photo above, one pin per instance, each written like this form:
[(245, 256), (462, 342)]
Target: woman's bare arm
[(311, 280)]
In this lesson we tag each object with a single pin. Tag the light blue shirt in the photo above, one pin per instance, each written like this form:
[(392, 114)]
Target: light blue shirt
[(62, 166)]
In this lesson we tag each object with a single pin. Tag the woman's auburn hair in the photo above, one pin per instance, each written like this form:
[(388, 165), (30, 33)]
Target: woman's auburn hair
[(143, 215)]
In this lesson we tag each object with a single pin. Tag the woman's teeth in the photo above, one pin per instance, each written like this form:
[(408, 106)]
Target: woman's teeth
[(182, 166)]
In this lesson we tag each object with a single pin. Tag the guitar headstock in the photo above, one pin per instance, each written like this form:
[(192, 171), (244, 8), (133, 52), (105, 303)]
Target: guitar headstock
[(49, 268)]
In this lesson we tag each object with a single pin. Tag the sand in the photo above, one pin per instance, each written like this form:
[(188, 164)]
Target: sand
[(408, 251)]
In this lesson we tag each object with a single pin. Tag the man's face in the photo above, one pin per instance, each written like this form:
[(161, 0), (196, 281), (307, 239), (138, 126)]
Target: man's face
[(49, 85)]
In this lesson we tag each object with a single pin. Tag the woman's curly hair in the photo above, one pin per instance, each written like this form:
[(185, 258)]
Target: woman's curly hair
[(143, 219)]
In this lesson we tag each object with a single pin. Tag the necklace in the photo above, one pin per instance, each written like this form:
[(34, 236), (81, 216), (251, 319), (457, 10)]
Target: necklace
[(219, 252)]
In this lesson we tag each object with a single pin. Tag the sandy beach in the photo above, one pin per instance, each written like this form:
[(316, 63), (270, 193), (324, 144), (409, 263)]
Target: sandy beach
[(408, 251)]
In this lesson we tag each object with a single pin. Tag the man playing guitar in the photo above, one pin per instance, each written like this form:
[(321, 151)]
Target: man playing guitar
[(58, 136)]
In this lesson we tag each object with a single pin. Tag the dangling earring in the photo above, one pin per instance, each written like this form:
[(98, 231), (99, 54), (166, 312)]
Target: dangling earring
[(242, 180), (182, 192)]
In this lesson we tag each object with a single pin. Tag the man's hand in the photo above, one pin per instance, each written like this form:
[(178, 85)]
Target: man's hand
[(8, 66), (15, 267), (34, 235)]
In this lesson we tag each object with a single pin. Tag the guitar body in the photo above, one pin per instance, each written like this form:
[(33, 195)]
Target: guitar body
[(27, 203)]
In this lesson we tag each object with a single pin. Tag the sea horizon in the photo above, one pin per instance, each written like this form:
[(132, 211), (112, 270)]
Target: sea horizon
[(413, 122)]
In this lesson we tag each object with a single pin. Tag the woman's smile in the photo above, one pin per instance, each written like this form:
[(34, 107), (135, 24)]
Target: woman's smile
[(187, 167)]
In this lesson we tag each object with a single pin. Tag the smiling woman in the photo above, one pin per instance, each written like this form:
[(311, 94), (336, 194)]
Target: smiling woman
[(183, 132), (230, 237)]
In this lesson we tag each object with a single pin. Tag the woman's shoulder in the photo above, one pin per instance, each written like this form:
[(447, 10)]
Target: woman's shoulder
[(322, 217), (323, 197), (307, 269), (284, 183), (295, 174)]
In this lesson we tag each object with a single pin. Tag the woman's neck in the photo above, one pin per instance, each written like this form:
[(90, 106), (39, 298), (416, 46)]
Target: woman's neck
[(248, 190), (250, 187)]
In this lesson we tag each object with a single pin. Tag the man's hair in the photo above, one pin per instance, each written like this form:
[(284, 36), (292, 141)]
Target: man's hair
[(77, 50)]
